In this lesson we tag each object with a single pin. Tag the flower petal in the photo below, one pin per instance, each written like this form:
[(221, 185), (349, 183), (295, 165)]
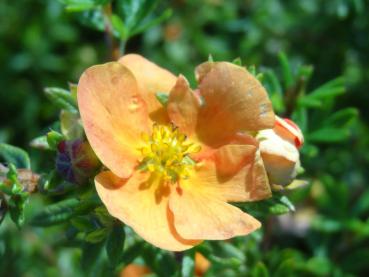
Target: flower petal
[(280, 156), (135, 270), (183, 106), (288, 130), (200, 210), (257, 182), (113, 115), (239, 169), (143, 205), (234, 101), (231, 158), (151, 79)]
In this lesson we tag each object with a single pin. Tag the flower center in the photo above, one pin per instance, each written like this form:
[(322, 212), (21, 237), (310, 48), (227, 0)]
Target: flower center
[(166, 153)]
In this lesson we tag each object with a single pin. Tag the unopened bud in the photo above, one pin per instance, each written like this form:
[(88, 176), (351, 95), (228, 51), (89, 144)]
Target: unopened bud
[(279, 151), (76, 162)]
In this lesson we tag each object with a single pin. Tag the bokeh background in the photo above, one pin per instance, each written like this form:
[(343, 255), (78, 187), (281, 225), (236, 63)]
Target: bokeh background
[(42, 45)]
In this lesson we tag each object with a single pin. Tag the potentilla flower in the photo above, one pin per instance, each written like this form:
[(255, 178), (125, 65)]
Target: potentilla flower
[(279, 149), (174, 169)]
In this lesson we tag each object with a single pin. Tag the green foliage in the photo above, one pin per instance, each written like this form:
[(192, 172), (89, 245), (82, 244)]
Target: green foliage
[(14, 155), (62, 98), (114, 245), (311, 57), (17, 196)]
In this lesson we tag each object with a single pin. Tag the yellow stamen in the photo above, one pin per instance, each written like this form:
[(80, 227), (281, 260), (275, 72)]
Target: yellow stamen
[(166, 153)]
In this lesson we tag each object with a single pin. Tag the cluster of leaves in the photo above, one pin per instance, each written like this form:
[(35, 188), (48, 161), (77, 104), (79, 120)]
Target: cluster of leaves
[(326, 235)]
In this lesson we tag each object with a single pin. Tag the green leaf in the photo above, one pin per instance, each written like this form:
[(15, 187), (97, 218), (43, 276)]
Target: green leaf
[(135, 14), (286, 70), (53, 139), (83, 223), (15, 155), (3, 208), (308, 102), (16, 204), (157, 20), (40, 143), (132, 252), (329, 90), (188, 264), (238, 61), (62, 98), (71, 125), (58, 213), (278, 204), (97, 235), (342, 117), (119, 27), (260, 270), (82, 5), (91, 253), (115, 244), (328, 135), (162, 98)]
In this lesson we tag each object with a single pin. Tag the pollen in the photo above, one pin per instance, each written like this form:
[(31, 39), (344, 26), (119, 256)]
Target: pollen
[(166, 153)]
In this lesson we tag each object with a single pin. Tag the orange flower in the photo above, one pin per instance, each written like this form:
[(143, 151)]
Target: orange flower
[(174, 169), (135, 270), (279, 150)]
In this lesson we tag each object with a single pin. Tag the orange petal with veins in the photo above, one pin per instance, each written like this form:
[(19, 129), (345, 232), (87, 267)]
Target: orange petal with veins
[(113, 115), (183, 106), (234, 101), (200, 209), (142, 203), (151, 79)]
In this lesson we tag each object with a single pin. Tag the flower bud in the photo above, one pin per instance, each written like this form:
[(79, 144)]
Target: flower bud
[(279, 151), (76, 161)]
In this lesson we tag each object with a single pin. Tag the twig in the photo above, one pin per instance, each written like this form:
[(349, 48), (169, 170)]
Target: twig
[(112, 45)]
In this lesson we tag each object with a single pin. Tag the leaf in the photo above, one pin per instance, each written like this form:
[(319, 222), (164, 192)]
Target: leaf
[(134, 13), (188, 264), (3, 208), (260, 270), (90, 256), (16, 204), (277, 205), (238, 61), (62, 98), (274, 89), (132, 252), (83, 223), (286, 70), (342, 117), (40, 143), (57, 213), (115, 244), (284, 199), (308, 102), (328, 135), (329, 90), (82, 5), (71, 125), (119, 27), (162, 98), (15, 155), (157, 20), (97, 235), (53, 139)]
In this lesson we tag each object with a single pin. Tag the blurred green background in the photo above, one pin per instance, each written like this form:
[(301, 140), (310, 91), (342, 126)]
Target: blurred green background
[(42, 45)]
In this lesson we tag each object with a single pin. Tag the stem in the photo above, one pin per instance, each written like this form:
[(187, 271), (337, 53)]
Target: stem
[(122, 47), (291, 96), (112, 45)]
